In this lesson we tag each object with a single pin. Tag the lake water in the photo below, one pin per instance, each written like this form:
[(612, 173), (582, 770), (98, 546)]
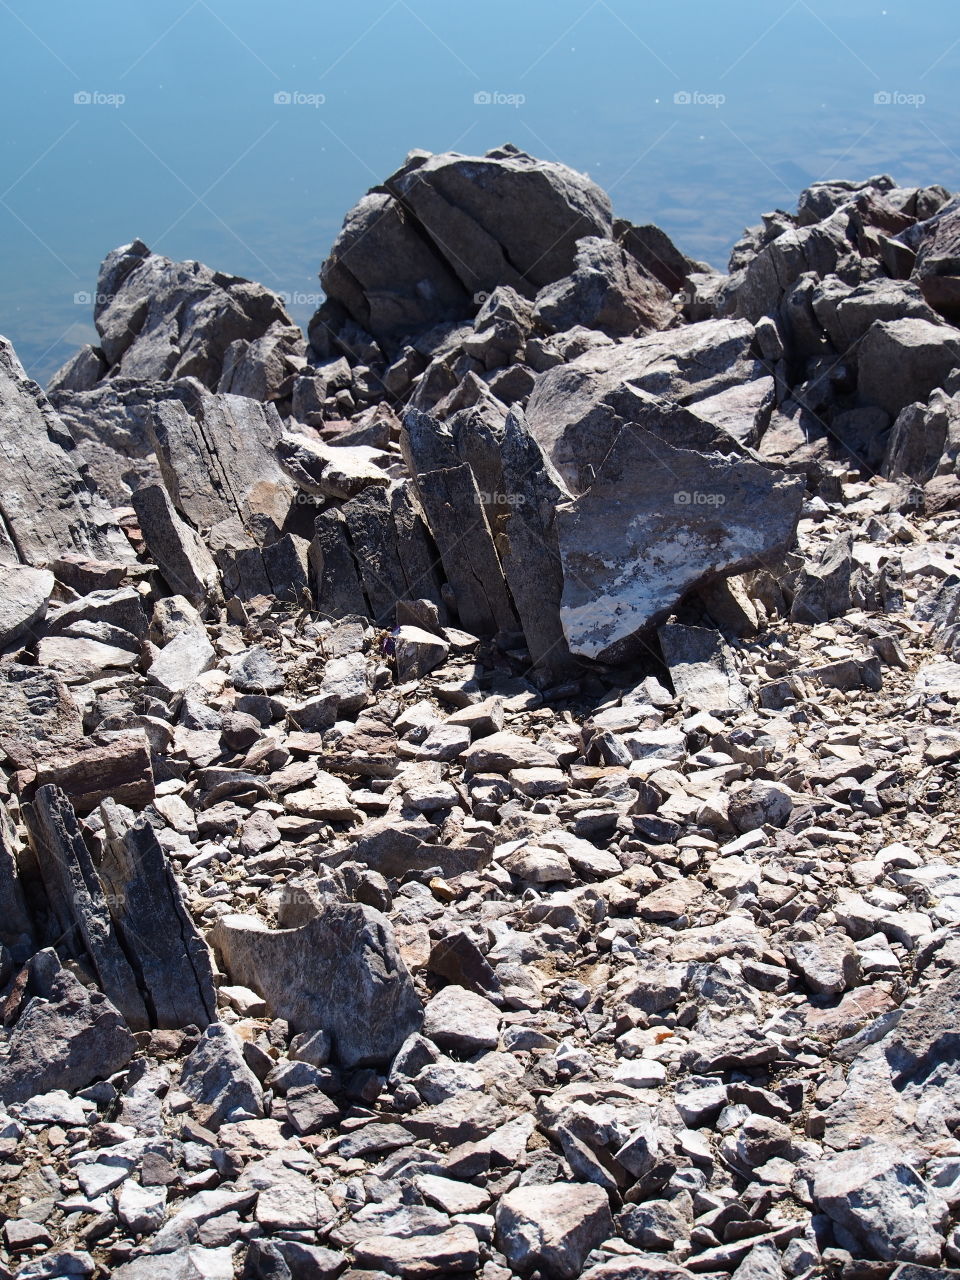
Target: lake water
[(240, 133)]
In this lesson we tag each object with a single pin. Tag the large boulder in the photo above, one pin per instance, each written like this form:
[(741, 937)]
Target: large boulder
[(163, 320), (576, 410), (444, 228), (339, 972), (658, 521), (901, 361), (552, 1228)]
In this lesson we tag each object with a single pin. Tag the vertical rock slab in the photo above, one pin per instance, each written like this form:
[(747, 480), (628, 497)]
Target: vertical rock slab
[(181, 556), (218, 459), (76, 900), (528, 545), (453, 507), (337, 592), (340, 972), (46, 506), (172, 961), (657, 522)]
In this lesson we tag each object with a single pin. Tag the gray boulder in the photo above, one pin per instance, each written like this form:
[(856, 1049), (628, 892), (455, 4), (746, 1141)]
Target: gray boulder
[(900, 361), (607, 290), (177, 549), (577, 409), (216, 1076), (339, 972), (163, 320), (874, 1194), (24, 595), (444, 228), (658, 522), (552, 1228)]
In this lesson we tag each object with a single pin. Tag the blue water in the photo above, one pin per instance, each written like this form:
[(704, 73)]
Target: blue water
[(200, 161)]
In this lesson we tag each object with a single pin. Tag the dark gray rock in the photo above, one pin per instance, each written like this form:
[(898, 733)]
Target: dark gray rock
[(24, 595), (441, 229), (552, 1228), (658, 522), (901, 361), (340, 973), (823, 589), (607, 290), (216, 1076), (172, 961), (163, 320), (66, 1037), (79, 917), (178, 550)]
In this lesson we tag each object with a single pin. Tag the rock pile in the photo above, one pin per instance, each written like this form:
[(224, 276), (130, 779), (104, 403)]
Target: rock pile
[(478, 791)]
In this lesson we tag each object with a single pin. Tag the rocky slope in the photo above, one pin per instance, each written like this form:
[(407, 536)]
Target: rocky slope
[(479, 785)]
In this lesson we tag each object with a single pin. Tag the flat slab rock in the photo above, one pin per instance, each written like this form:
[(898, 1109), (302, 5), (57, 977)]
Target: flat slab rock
[(657, 522)]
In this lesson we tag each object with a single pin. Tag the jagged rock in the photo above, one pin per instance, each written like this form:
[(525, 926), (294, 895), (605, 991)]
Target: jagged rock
[(339, 973), (823, 589), (37, 711), (331, 470), (391, 548), (701, 669), (75, 898), (66, 1037), (163, 320), (173, 963), (657, 522), (24, 596), (46, 508), (553, 1227), (218, 459), (901, 361), (216, 1076), (88, 773), (877, 1197), (461, 1021), (417, 652), (577, 410), (260, 368), (936, 243), (178, 550), (181, 661), (606, 290), (454, 512), (415, 251)]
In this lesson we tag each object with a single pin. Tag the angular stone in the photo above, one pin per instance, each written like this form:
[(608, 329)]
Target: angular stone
[(46, 508), (701, 669), (182, 557), (24, 595), (218, 460), (173, 961), (607, 290), (876, 1195), (120, 770), (415, 251), (80, 916), (340, 973), (901, 361), (66, 1037), (658, 522), (553, 1227), (461, 1021), (216, 1076), (417, 652), (504, 751)]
